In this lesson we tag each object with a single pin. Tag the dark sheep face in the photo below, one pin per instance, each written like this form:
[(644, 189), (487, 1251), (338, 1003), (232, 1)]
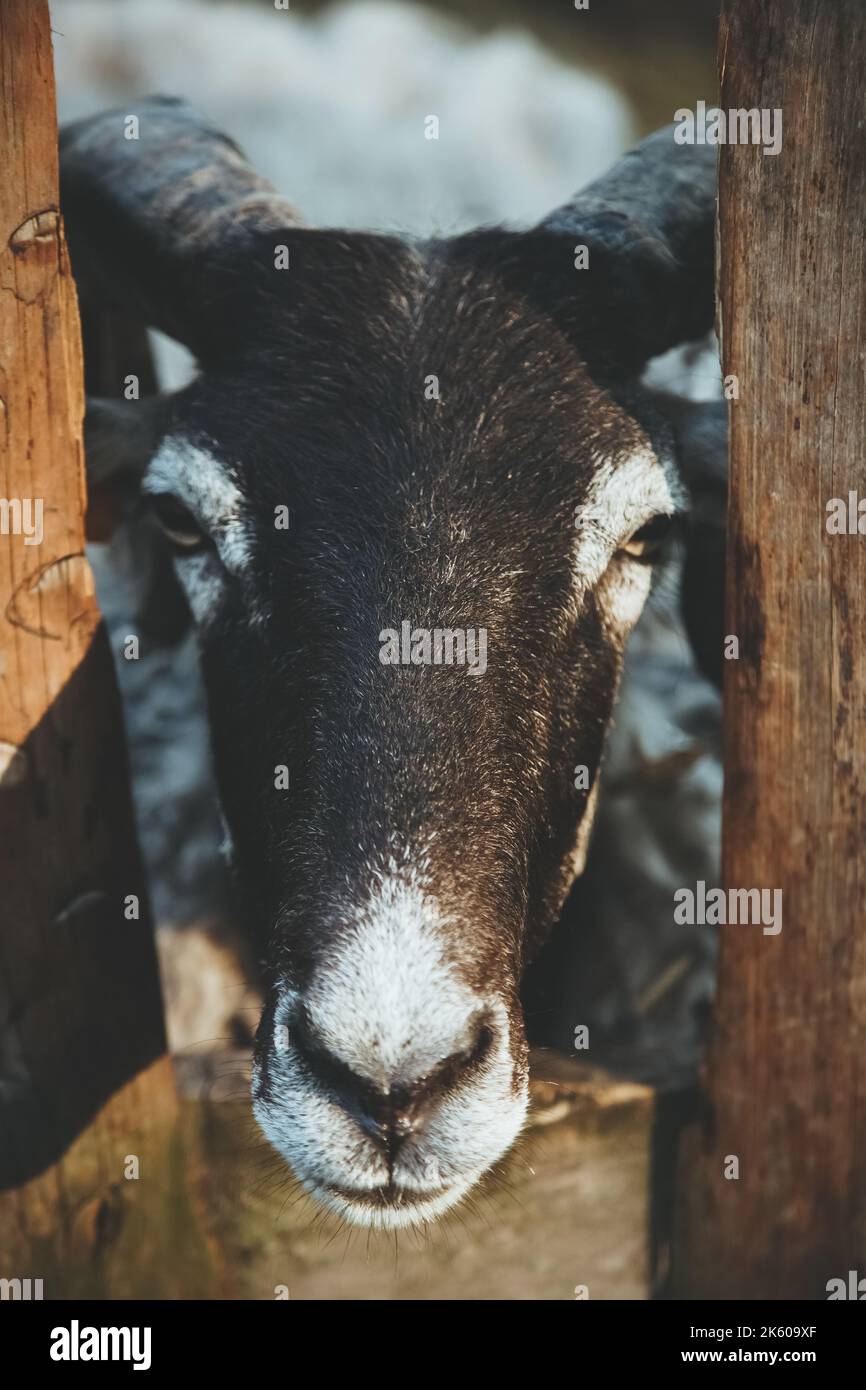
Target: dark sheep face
[(413, 499)]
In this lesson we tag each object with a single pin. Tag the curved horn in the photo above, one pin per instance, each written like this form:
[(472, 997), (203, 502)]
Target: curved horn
[(159, 225), (649, 227)]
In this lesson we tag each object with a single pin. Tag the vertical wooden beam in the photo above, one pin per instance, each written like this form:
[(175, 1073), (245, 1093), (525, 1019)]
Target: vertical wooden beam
[(786, 1081), (80, 1011)]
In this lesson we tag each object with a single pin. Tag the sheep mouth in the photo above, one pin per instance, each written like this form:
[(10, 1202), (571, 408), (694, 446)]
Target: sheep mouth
[(389, 1207)]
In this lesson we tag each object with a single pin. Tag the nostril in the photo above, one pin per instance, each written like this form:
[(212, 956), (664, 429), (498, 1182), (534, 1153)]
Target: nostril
[(392, 1116), (330, 1071), (457, 1068), (370, 1107)]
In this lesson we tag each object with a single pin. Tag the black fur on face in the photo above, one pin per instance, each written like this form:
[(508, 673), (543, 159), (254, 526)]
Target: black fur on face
[(457, 513)]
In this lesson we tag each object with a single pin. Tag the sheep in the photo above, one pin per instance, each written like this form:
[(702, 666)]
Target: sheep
[(332, 105), (448, 433)]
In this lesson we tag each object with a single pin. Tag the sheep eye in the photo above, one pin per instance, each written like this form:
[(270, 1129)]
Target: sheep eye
[(646, 543), (177, 522)]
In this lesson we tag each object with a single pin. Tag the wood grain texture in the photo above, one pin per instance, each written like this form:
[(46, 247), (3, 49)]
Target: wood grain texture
[(79, 998), (121, 1215), (786, 1079)]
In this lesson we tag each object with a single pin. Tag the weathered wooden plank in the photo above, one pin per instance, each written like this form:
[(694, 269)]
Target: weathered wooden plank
[(786, 1087), (80, 1011), (121, 1215)]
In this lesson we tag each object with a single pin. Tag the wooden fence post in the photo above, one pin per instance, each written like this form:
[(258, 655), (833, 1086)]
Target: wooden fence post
[(786, 1080), (80, 1010)]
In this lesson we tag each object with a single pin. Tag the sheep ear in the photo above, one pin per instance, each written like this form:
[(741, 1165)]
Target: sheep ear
[(638, 248), (700, 432), (120, 438), (162, 213), (701, 435)]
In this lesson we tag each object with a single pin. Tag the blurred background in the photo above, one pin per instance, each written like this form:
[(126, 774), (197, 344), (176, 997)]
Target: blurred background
[(530, 96), (329, 101)]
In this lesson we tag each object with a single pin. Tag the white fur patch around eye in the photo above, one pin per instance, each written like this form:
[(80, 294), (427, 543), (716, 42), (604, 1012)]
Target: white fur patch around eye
[(204, 484), (623, 496), (203, 581), (622, 593)]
